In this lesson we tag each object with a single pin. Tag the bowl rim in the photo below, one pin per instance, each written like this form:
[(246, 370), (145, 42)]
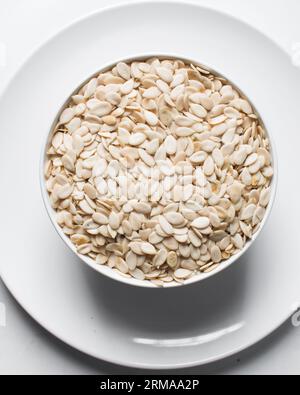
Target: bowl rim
[(107, 271)]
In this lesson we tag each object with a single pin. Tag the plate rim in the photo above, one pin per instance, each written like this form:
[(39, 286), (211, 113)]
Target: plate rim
[(6, 282)]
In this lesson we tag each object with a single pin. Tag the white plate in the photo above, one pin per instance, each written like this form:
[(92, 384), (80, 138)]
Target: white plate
[(144, 327)]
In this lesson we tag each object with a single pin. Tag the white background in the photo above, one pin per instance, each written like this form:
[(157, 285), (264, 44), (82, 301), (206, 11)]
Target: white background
[(25, 348)]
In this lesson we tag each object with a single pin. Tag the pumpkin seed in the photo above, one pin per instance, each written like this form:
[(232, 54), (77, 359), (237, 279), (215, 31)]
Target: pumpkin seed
[(182, 273), (172, 260), (201, 223)]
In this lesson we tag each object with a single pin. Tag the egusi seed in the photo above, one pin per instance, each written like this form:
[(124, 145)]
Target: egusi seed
[(159, 170)]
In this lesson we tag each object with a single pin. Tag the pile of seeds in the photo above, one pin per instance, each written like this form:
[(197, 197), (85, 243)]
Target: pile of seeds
[(159, 169)]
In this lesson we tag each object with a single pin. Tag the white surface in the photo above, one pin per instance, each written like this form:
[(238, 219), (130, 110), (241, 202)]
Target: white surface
[(181, 327), (269, 363)]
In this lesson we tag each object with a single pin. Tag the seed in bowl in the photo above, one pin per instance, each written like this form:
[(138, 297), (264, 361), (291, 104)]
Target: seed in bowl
[(159, 169)]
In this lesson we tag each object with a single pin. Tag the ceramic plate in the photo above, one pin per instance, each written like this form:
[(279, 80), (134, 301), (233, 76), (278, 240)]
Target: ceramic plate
[(136, 327)]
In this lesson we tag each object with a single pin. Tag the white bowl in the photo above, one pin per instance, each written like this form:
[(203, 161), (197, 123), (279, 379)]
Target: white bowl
[(105, 270)]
